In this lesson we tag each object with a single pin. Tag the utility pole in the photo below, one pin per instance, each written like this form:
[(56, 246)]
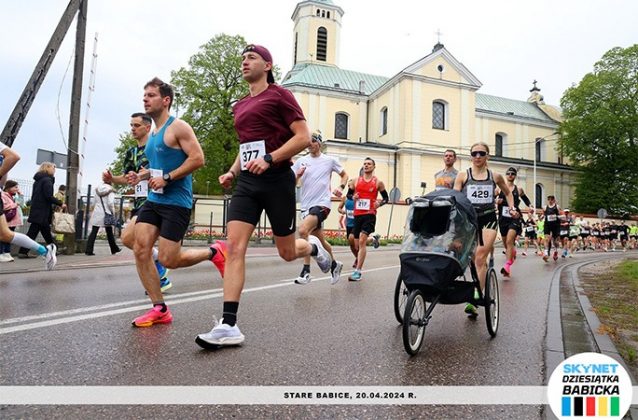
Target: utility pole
[(73, 160)]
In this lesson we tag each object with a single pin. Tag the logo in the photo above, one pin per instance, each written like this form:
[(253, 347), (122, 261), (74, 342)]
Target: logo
[(590, 385)]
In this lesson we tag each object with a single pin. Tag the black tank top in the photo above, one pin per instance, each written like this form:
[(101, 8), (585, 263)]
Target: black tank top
[(551, 214), (503, 208), (480, 192)]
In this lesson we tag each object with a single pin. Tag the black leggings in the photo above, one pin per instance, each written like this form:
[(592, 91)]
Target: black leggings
[(109, 235), (34, 229)]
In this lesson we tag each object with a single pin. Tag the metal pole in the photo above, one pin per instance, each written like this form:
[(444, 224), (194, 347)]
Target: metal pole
[(210, 228), (535, 143)]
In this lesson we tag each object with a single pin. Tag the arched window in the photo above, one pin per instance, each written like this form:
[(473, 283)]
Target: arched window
[(328, 14), (322, 43), (341, 125), (318, 12), (439, 115), (498, 149), (384, 120), (539, 196), (539, 150), (323, 13)]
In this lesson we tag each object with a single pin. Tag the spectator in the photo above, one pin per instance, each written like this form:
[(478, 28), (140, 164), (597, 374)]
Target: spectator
[(104, 204), (42, 200), (60, 195), (13, 215)]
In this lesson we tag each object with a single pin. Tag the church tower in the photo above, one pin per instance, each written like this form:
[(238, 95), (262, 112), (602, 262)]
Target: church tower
[(317, 32)]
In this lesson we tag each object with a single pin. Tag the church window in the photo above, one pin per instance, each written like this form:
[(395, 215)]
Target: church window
[(323, 13), (322, 43), (384, 120), (439, 116), (539, 196), (499, 145), (341, 125), (318, 12), (328, 14), (539, 150)]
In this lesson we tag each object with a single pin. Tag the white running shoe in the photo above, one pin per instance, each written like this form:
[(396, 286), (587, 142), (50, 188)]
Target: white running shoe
[(221, 335), (336, 273), (50, 260), (323, 258), (305, 279), (6, 258)]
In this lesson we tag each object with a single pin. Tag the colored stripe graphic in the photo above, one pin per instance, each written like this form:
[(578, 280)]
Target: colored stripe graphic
[(591, 406), (615, 406), (603, 406), (566, 406), (578, 406)]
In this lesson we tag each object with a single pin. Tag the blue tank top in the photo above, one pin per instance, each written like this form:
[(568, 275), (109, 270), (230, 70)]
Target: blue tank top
[(349, 212), (180, 191)]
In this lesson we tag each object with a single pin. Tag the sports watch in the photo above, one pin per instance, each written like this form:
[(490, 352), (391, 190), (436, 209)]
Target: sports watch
[(268, 158), (166, 177)]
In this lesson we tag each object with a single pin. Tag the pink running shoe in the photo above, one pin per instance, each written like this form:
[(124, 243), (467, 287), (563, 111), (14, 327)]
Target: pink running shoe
[(154, 316), (220, 256), (506, 270)]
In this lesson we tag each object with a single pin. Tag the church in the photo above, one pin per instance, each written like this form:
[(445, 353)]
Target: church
[(406, 121)]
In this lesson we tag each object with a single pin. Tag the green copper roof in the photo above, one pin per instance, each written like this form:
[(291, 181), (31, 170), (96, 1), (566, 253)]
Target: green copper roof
[(511, 107), (333, 78)]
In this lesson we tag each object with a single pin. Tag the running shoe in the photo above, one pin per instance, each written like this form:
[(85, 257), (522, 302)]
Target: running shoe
[(50, 260), (355, 276), (336, 273), (165, 284), (564, 253), (471, 311), (221, 335), (323, 258), (375, 240), (354, 264), (546, 257), (555, 256), (219, 259), (154, 316), (304, 278), (506, 270), (161, 270), (524, 254)]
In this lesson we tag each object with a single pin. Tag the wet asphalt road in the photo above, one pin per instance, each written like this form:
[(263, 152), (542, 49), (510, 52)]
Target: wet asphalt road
[(72, 327)]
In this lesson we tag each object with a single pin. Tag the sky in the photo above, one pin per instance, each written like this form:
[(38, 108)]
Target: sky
[(505, 44)]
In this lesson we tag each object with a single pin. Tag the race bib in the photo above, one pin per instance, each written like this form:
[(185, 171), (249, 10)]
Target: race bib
[(585, 232), (480, 194), (551, 217), (506, 212), (141, 189), (596, 233), (529, 228), (157, 173), (350, 214), (251, 151), (564, 232), (362, 204)]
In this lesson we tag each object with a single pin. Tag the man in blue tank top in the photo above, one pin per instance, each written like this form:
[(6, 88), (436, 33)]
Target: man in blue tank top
[(173, 153)]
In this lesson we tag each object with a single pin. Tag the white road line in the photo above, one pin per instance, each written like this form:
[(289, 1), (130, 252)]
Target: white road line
[(100, 311)]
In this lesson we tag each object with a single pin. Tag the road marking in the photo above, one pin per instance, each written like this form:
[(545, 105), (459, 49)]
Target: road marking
[(79, 314)]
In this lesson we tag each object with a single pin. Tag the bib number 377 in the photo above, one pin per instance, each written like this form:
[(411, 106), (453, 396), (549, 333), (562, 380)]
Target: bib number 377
[(251, 151)]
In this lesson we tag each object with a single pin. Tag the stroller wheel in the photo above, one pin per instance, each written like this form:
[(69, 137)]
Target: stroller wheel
[(491, 302), (414, 322), (400, 298)]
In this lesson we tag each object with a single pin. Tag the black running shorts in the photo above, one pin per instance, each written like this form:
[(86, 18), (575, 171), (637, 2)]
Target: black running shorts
[(364, 223), (273, 192), (553, 228), (505, 224), (172, 221)]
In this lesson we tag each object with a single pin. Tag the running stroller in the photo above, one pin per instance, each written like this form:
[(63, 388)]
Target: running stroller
[(438, 244)]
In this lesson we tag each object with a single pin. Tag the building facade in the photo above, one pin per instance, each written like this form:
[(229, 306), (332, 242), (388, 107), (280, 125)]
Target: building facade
[(406, 121)]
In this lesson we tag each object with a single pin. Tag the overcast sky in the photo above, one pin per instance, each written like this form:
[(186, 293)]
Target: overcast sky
[(506, 44)]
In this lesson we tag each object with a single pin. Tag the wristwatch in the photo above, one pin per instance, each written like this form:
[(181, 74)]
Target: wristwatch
[(268, 158), (166, 177)]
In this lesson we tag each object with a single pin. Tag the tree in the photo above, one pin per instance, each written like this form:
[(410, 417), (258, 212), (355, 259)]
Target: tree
[(208, 88), (600, 134)]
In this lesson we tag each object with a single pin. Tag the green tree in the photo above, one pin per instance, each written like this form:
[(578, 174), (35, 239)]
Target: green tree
[(208, 88), (600, 133)]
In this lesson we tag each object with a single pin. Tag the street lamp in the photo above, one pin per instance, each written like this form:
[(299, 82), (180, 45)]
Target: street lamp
[(536, 141), (207, 185)]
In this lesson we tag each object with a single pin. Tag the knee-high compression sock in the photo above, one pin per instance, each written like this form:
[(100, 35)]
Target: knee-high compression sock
[(23, 241)]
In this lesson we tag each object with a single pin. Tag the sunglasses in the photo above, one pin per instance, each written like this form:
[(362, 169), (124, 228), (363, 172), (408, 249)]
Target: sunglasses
[(510, 174), (478, 153)]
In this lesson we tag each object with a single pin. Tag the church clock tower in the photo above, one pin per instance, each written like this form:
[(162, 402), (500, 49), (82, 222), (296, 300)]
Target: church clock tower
[(317, 32)]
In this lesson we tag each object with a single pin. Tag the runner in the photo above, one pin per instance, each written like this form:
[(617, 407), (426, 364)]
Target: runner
[(565, 222), (510, 227), (134, 161), (314, 172), (346, 207), (479, 184), (445, 177), (552, 227), (8, 159), (271, 129), (366, 204), (173, 154), (530, 234)]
